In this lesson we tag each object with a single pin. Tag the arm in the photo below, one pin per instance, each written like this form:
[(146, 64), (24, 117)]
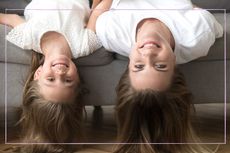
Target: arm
[(11, 20), (95, 3), (103, 6)]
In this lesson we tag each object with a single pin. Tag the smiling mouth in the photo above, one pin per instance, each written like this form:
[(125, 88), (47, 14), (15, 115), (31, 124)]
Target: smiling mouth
[(60, 64), (150, 44)]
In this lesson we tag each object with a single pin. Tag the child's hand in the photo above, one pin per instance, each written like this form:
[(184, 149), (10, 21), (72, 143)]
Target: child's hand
[(11, 20)]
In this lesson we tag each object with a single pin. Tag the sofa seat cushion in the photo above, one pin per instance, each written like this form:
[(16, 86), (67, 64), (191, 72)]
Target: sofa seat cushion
[(98, 58)]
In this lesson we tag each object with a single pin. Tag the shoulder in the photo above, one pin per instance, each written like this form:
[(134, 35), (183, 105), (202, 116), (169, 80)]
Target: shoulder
[(201, 30)]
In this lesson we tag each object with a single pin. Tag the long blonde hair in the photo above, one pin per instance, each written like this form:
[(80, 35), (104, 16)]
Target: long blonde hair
[(45, 121), (148, 116)]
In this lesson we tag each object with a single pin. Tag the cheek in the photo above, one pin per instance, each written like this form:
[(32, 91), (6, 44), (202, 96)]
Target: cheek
[(74, 73), (168, 55), (173, 58), (73, 69), (133, 50), (135, 56)]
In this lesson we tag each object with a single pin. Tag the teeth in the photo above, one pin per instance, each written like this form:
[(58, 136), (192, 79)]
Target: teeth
[(60, 65), (150, 45)]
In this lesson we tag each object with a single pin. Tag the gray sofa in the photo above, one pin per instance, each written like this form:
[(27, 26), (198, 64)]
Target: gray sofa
[(101, 71)]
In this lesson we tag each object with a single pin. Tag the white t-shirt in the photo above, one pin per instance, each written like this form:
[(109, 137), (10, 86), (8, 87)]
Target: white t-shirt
[(194, 30), (68, 18)]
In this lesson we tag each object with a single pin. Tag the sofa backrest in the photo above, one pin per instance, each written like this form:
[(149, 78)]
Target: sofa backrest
[(13, 4), (213, 4)]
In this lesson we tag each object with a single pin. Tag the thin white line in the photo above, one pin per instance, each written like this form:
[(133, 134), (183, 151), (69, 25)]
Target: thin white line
[(225, 79), (225, 128), (5, 83)]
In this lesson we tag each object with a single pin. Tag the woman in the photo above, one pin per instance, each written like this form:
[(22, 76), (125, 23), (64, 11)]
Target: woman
[(153, 101)]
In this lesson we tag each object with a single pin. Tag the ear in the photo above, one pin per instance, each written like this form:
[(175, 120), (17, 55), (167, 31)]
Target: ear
[(37, 73)]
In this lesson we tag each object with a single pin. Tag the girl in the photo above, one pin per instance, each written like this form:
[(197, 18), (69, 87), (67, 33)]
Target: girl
[(56, 31)]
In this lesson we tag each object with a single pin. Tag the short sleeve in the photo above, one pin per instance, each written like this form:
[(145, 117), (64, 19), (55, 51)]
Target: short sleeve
[(18, 36), (196, 35), (28, 34), (194, 49), (90, 43)]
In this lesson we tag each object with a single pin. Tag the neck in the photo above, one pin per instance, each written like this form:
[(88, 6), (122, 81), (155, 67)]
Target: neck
[(154, 25), (53, 43)]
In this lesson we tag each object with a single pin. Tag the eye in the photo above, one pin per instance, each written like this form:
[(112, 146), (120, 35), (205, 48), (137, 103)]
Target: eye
[(139, 66), (68, 80), (160, 66), (51, 79)]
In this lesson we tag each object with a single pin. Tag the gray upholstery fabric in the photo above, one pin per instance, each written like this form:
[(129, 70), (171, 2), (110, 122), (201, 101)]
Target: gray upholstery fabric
[(99, 57), (212, 4), (10, 52), (101, 82), (12, 79), (14, 6), (206, 81)]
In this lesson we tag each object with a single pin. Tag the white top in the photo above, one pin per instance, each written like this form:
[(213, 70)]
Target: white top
[(194, 30), (66, 17)]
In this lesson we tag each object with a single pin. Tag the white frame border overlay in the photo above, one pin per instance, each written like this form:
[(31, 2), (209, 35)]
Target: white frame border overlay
[(225, 97)]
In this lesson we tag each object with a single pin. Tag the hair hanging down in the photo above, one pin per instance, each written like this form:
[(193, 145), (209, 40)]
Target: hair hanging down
[(147, 116), (46, 121)]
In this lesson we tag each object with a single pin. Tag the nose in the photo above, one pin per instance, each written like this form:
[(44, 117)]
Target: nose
[(60, 69)]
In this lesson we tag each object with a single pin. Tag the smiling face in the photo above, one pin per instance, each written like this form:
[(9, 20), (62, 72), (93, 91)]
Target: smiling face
[(152, 60), (57, 78)]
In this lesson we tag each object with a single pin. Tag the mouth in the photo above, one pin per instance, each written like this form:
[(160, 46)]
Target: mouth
[(60, 62), (150, 44)]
